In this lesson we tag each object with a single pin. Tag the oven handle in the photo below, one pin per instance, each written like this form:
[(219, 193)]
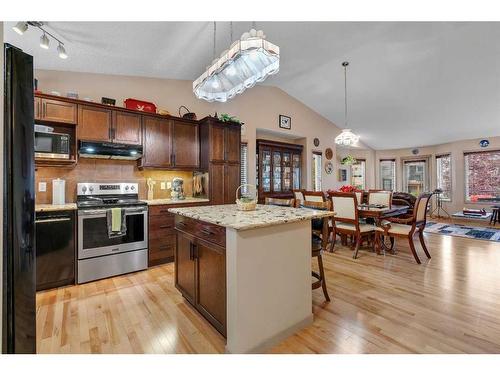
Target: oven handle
[(103, 211)]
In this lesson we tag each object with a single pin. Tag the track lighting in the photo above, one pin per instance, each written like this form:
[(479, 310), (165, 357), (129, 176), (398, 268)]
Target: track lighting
[(22, 26), (44, 41)]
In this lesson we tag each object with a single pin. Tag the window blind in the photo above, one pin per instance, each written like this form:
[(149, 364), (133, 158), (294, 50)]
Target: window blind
[(244, 166)]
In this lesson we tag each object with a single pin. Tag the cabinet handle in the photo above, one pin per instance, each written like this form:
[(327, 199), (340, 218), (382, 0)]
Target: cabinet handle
[(165, 226), (44, 109), (191, 256), (164, 247), (207, 232), (195, 251)]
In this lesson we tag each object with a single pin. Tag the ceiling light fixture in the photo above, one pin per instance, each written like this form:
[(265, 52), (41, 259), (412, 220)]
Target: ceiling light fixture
[(249, 60), (347, 137), (22, 26)]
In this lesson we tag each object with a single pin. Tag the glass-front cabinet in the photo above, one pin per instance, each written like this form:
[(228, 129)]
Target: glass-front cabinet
[(279, 169)]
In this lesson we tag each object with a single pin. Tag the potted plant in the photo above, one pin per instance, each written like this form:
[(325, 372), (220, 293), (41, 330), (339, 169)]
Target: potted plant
[(348, 160), (224, 117)]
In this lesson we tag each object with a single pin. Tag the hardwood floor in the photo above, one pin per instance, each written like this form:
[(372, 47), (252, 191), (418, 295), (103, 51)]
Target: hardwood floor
[(380, 304)]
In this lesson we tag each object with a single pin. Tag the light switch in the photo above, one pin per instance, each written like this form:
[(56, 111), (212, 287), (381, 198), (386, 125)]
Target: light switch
[(162, 185), (169, 185), (42, 186)]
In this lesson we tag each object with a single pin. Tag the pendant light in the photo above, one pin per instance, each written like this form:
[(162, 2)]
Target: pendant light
[(347, 137)]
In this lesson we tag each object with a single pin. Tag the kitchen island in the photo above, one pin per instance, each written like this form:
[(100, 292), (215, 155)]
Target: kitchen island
[(248, 273)]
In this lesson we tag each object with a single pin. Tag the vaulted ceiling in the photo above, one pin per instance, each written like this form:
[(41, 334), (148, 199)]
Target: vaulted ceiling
[(409, 84)]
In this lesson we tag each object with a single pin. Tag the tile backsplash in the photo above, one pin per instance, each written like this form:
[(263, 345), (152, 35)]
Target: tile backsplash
[(97, 170)]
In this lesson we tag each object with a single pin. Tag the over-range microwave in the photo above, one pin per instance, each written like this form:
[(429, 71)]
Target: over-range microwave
[(51, 145)]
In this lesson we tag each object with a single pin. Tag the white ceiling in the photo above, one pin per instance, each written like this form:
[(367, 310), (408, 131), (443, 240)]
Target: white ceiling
[(409, 84)]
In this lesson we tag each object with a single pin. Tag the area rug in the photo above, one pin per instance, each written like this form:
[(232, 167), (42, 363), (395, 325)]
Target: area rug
[(479, 233)]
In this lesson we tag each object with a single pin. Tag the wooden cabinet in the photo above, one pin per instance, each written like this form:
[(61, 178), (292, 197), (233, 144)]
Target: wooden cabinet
[(232, 178), (217, 143), (55, 111), (157, 143), (126, 128), (216, 176), (200, 268), (232, 144), (162, 238), (186, 144), (94, 123)]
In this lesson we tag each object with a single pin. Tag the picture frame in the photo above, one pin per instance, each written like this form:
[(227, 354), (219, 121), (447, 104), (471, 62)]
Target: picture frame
[(342, 175), (285, 122)]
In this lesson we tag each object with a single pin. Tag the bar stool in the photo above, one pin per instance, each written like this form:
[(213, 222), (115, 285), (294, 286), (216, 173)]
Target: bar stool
[(494, 215)]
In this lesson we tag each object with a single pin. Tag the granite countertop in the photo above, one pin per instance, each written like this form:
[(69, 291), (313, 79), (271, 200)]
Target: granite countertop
[(55, 207), (264, 216), (155, 202)]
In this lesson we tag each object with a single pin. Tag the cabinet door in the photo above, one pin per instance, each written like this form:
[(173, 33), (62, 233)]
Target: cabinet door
[(231, 182), (157, 142), (211, 283), (277, 171), (232, 144), (58, 111), (186, 145), (38, 109), (127, 128), (185, 266), (94, 124), (216, 183), (217, 143)]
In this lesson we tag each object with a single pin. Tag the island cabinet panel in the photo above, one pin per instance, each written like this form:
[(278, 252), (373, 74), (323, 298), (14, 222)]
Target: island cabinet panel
[(186, 145), (200, 268), (127, 128), (94, 123), (55, 111), (157, 143)]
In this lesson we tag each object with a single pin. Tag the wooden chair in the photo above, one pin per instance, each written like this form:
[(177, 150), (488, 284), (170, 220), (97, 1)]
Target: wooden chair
[(359, 196), (380, 197), (298, 194), (320, 235), (406, 228), (346, 220), (314, 196), (280, 202)]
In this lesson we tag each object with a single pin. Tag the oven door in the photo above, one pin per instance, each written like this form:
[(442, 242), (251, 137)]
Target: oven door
[(93, 238)]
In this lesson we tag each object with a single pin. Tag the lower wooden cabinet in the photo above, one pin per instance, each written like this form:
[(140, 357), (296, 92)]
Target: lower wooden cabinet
[(200, 269), (162, 239)]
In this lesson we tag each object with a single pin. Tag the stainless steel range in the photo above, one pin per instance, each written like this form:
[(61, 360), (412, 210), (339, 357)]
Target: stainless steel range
[(101, 254)]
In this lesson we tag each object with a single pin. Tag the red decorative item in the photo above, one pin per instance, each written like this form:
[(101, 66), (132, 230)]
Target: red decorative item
[(140, 105), (348, 189)]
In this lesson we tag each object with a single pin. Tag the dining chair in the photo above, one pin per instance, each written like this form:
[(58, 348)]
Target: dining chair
[(280, 202), (359, 196), (314, 196), (320, 234), (298, 194), (382, 197), (406, 228), (346, 220)]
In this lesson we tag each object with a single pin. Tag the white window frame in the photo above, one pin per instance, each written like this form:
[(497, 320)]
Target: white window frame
[(394, 183), (439, 156)]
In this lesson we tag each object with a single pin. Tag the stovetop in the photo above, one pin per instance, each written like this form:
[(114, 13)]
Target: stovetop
[(106, 195), (108, 202)]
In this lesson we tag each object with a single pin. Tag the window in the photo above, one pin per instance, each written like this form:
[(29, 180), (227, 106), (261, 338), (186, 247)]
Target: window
[(388, 174), (358, 172), (244, 166), (443, 178), (415, 176), (317, 162), (482, 176)]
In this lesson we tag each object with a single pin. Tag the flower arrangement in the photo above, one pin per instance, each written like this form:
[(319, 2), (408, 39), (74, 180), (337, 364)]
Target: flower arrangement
[(348, 160)]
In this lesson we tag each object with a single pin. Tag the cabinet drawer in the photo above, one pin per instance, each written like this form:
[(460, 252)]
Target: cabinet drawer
[(160, 210), (206, 231), (162, 248)]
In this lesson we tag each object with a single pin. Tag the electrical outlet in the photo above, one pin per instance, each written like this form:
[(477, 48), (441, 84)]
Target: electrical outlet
[(162, 185), (42, 186), (169, 185)]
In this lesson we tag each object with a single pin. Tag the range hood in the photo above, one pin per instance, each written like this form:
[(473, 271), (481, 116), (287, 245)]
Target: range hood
[(105, 150)]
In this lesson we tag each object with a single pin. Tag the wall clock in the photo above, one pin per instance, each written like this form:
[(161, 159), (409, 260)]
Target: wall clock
[(484, 143), (328, 167), (329, 153), (316, 142), (285, 122)]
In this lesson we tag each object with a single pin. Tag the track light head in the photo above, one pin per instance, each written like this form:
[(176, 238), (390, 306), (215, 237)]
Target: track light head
[(62, 51), (21, 27), (44, 41)]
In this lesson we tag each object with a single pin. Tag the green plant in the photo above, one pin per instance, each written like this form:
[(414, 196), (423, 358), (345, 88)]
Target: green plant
[(348, 160), (224, 117)]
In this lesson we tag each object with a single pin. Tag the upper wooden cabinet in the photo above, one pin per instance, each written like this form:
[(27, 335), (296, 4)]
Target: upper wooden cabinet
[(126, 128), (216, 135), (232, 144), (55, 111), (157, 143), (94, 123), (186, 144)]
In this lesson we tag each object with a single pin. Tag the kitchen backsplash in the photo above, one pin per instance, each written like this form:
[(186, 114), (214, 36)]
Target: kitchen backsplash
[(96, 170)]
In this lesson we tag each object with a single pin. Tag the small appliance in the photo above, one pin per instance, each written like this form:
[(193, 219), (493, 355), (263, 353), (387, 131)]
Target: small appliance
[(177, 192), (105, 150), (51, 145)]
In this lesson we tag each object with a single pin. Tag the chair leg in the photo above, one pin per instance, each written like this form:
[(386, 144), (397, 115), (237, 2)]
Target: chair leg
[(412, 247), (358, 241), (323, 280), (376, 243), (422, 242), (391, 249), (334, 238)]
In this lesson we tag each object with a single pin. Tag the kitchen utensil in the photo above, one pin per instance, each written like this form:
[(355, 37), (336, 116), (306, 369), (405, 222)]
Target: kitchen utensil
[(151, 185), (58, 191)]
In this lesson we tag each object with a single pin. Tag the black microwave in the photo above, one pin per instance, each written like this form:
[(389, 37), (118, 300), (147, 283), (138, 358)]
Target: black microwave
[(52, 145)]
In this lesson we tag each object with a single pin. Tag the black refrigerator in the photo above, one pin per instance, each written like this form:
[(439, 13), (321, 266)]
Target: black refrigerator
[(19, 278)]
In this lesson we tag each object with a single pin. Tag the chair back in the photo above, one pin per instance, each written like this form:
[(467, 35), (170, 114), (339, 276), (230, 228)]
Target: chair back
[(345, 206), (420, 209), (359, 196), (324, 206), (280, 202), (299, 194), (314, 196), (380, 197)]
